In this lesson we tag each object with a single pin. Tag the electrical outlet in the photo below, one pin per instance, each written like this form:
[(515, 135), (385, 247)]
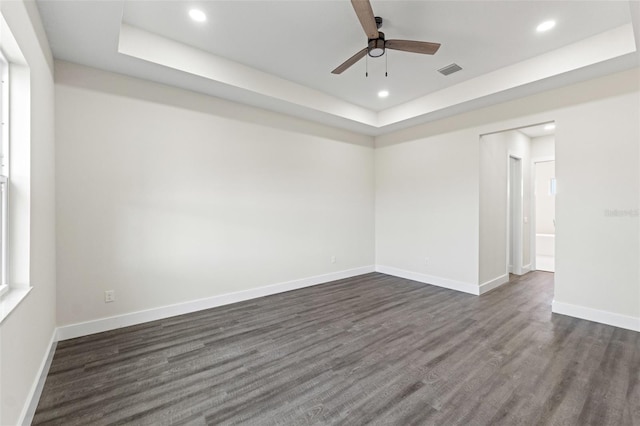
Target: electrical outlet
[(333, 259), (109, 296)]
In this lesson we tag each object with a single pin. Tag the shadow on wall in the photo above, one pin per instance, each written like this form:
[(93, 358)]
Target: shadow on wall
[(592, 90), (119, 85)]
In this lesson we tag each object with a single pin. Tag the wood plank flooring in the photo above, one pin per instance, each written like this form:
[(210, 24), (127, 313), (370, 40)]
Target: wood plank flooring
[(373, 349)]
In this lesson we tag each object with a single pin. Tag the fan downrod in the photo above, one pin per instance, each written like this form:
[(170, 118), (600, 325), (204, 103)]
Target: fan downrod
[(376, 41)]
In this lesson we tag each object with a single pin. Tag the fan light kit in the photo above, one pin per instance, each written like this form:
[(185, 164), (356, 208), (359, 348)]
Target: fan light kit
[(377, 44), (197, 15), (545, 26)]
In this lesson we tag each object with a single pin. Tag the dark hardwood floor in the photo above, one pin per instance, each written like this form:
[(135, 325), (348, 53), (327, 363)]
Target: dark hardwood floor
[(371, 349)]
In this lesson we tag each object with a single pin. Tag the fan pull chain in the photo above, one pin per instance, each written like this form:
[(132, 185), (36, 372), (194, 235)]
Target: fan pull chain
[(366, 66), (386, 64)]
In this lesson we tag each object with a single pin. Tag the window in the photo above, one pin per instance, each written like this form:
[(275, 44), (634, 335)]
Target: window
[(4, 167), (15, 172)]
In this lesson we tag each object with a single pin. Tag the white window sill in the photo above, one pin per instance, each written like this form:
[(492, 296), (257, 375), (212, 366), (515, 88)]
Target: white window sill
[(11, 299)]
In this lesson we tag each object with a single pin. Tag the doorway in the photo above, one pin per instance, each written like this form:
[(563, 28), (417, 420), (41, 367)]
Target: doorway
[(545, 214), (508, 233)]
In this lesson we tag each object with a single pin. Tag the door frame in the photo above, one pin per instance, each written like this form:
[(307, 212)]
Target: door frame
[(516, 267)]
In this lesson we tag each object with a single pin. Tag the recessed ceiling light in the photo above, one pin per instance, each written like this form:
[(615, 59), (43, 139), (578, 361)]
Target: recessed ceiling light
[(383, 93), (545, 26), (550, 126), (197, 15)]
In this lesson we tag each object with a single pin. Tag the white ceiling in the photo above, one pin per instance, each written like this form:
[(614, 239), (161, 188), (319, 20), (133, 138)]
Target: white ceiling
[(539, 130), (279, 54)]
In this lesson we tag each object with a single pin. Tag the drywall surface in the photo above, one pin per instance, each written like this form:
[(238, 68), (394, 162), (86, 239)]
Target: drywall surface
[(428, 192), (26, 333), (493, 206), (597, 145), (545, 200), (427, 206), (167, 196), (543, 147)]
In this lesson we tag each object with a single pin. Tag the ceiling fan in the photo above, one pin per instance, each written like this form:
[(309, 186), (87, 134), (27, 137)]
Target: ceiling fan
[(377, 44)]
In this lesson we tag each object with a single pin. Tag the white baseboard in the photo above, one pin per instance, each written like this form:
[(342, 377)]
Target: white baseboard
[(430, 279), (519, 271), (545, 263), (494, 283), (111, 323), (603, 317), (29, 410)]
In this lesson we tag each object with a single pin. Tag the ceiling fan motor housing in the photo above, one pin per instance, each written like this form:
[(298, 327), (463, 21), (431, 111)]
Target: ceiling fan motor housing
[(376, 46)]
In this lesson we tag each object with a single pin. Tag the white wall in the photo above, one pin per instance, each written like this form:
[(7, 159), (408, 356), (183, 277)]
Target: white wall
[(26, 333), (435, 166), (597, 145), (493, 207), (427, 207), (543, 147), (168, 196), (545, 201)]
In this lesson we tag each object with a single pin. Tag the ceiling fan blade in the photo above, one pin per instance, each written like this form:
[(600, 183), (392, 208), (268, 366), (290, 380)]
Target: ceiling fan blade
[(365, 15), (352, 60), (413, 46)]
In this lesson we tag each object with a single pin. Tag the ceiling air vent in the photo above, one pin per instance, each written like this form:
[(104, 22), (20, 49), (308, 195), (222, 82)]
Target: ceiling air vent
[(450, 69)]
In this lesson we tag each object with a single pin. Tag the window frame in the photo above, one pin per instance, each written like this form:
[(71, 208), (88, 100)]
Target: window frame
[(4, 168), (16, 143)]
